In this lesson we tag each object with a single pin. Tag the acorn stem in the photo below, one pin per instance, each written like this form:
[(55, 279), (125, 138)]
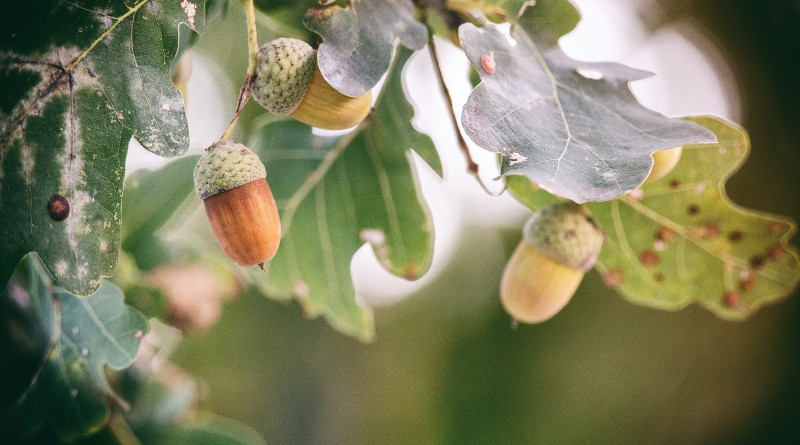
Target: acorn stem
[(252, 64)]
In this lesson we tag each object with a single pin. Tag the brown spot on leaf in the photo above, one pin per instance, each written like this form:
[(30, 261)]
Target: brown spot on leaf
[(613, 277), (756, 261), (665, 235), (569, 234), (649, 258), (735, 236), (710, 230), (659, 277), (58, 207), (775, 252), (731, 299), (693, 210), (775, 228), (487, 63), (674, 184), (746, 280), (411, 272)]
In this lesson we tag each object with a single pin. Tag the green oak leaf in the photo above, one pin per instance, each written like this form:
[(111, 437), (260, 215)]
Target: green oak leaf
[(680, 239), (561, 16), (572, 127), (87, 334), (82, 78), (164, 408), (358, 40), (151, 198), (337, 194)]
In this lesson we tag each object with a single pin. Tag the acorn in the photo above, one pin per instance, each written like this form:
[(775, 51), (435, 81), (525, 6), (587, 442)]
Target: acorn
[(560, 243), (663, 163), (231, 181), (288, 81)]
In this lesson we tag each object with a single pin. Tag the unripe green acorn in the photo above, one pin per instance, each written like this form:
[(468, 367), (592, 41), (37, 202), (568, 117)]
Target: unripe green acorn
[(561, 241), (663, 163), (231, 181), (288, 82)]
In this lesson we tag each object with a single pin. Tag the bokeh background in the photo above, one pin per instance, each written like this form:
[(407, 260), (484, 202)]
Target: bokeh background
[(447, 366)]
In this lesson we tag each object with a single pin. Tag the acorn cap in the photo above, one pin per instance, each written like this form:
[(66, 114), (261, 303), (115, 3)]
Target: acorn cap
[(285, 68), (225, 166), (567, 233)]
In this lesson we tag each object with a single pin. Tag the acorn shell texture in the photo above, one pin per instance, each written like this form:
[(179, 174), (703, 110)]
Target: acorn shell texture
[(246, 222)]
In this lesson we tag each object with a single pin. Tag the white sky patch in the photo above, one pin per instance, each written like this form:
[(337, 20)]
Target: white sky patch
[(190, 9)]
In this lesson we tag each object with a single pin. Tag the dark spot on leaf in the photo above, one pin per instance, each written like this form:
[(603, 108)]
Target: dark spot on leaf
[(569, 234), (613, 277), (775, 252), (674, 184), (693, 210), (649, 258), (731, 299), (735, 236), (665, 235), (756, 261), (659, 277), (58, 207)]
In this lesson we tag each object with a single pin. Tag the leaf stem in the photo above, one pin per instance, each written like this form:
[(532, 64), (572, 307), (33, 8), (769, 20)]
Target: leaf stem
[(252, 64), (121, 430), (472, 166), (119, 20)]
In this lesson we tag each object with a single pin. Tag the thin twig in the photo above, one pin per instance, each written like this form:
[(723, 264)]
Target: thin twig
[(252, 63), (472, 166)]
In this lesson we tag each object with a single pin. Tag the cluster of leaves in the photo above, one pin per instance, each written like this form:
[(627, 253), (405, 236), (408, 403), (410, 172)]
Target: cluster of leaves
[(564, 128)]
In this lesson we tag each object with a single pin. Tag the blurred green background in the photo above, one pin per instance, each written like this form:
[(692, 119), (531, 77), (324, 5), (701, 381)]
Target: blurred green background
[(447, 367)]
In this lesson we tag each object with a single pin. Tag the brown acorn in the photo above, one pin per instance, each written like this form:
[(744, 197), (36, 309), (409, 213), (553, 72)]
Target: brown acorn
[(231, 181), (561, 241), (288, 82)]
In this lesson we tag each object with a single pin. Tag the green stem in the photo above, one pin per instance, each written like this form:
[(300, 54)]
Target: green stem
[(252, 64)]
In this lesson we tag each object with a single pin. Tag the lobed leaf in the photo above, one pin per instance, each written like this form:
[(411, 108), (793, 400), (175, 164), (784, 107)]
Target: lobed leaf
[(336, 195), (359, 40), (85, 77), (572, 127), (86, 336), (680, 239)]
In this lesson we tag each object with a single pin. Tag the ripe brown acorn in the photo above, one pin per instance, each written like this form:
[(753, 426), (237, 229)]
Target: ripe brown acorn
[(561, 241), (288, 82), (231, 181)]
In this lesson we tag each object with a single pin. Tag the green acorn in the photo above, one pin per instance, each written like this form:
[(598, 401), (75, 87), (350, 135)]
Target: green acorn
[(288, 82), (231, 181), (561, 241)]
